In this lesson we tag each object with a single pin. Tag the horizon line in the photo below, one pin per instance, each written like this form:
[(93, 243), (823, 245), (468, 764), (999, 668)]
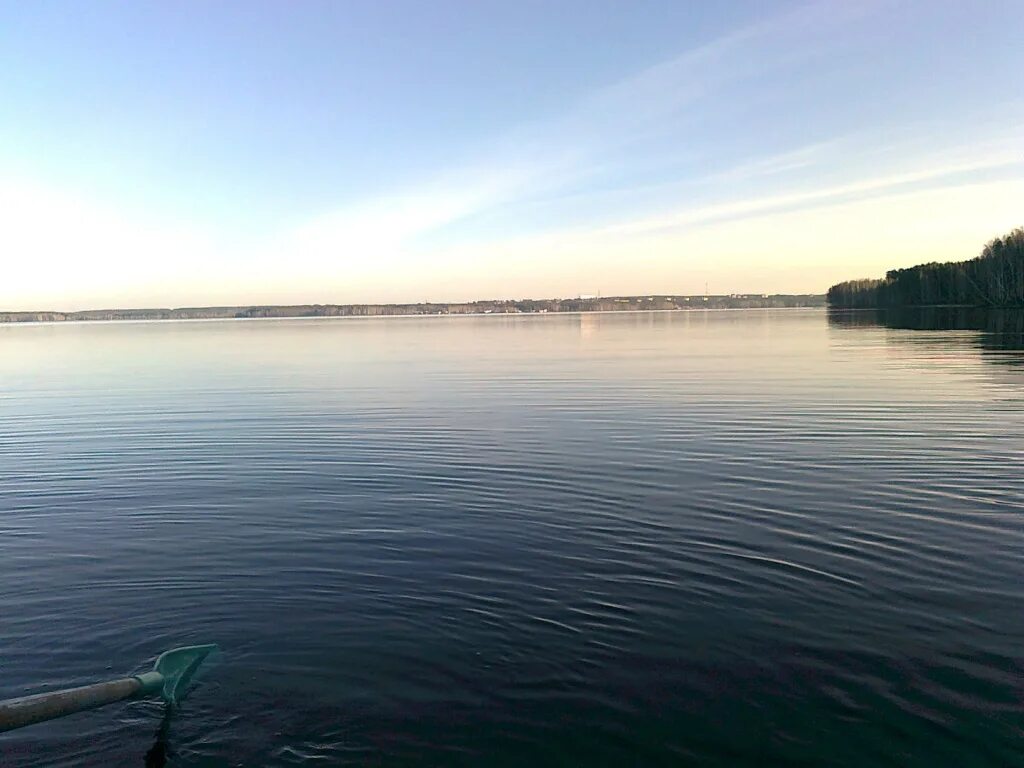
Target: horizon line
[(746, 296)]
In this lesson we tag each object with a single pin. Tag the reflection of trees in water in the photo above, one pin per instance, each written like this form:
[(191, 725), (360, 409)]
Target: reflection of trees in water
[(999, 330)]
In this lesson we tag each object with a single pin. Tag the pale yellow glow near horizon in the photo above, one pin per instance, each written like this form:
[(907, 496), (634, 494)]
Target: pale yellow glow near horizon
[(65, 254)]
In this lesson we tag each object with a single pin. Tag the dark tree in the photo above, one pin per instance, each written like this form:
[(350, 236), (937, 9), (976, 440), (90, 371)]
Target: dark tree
[(995, 278)]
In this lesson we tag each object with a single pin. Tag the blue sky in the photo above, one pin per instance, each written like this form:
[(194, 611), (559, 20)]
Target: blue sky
[(204, 153)]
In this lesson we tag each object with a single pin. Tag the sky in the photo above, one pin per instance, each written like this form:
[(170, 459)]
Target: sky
[(200, 153)]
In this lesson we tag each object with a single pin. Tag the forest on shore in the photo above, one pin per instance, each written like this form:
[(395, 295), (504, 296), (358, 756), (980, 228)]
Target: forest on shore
[(995, 278)]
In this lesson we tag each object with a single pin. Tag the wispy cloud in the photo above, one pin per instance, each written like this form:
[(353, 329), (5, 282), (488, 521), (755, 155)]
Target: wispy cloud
[(550, 157), (874, 187)]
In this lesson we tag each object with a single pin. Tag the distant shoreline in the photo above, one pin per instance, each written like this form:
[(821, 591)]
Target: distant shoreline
[(660, 302)]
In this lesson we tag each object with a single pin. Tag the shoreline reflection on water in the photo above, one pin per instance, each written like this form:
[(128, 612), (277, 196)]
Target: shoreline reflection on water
[(998, 329)]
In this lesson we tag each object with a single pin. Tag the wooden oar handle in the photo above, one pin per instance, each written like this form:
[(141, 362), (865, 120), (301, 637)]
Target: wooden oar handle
[(15, 713)]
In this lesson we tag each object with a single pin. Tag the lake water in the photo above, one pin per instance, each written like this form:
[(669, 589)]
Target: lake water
[(699, 538)]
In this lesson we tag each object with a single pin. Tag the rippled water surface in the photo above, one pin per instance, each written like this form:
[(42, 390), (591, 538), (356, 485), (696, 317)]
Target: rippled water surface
[(704, 538)]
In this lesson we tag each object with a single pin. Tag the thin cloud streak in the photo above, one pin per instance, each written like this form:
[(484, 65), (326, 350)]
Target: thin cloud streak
[(539, 160), (876, 187)]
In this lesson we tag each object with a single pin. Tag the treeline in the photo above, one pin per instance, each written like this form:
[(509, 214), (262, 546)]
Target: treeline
[(497, 306), (995, 278)]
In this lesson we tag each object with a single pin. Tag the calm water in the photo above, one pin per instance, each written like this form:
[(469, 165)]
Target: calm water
[(707, 538)]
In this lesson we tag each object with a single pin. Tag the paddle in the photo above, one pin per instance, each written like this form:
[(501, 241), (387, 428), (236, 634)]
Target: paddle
[(169, 677)]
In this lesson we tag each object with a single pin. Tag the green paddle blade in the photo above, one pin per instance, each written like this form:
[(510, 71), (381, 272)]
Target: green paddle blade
[(177, 668)]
